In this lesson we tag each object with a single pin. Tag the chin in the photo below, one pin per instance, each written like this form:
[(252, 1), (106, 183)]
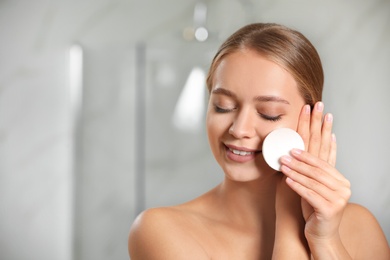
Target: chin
[(247, 174)]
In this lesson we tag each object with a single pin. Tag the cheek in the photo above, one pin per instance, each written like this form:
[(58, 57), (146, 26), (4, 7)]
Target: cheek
[(214, 126), (291, 122), (294, 119), (217, 126), (213, 134)]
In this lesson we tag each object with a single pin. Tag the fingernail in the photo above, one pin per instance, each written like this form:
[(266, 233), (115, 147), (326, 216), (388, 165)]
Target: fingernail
[(329, 118), (320, 106), (289, 180), (307, 109), (285, 159), (285, 169), (296, 151)]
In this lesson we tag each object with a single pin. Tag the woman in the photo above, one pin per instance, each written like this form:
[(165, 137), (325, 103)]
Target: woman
[(265, 76)]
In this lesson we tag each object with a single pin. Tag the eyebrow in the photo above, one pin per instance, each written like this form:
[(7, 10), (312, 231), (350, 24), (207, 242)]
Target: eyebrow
[(271, 99), (268, 98)]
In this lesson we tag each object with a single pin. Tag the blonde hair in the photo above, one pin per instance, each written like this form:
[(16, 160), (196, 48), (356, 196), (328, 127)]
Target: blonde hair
[(284, 46)]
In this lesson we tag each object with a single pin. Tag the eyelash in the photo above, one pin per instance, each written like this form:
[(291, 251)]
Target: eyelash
[(222, 110), (271, 118), (266, 117)]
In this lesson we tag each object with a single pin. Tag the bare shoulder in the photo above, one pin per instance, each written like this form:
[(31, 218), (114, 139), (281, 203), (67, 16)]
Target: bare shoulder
[(162, 233), (362, 234)]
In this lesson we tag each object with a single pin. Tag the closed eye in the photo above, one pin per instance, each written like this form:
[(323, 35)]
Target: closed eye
[(222, 110), (271, 118), (264, 116)]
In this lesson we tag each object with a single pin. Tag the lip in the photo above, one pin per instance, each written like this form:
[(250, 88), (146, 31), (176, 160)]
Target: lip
[(241, 158), (229, 146)]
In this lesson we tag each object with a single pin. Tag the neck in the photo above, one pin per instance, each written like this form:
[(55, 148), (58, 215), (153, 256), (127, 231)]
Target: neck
[(248, 203)]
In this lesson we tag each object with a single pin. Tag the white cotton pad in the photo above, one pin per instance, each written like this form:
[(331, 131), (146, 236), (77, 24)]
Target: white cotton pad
[(278, 143)]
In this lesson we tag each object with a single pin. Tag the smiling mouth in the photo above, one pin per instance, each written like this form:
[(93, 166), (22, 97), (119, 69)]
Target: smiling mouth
[(242, 153)]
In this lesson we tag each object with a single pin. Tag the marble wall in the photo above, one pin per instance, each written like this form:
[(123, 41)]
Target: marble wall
[(104, 175), (35, 160), (69, 193)]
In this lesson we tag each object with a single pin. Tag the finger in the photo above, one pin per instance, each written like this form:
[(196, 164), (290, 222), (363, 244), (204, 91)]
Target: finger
[(307, 162), (317, 194), (304, 125), (315, 200), (315, 129), (326, 137), (308, 176), (317, 182), (333, 151)]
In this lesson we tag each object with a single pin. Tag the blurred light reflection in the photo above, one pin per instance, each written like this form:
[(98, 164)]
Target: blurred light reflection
[(188, 113)]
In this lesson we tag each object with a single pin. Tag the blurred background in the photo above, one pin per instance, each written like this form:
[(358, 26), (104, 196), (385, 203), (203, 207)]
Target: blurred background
[(102, 107)]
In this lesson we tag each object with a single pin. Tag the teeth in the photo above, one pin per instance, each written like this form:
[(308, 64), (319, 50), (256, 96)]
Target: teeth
[(242, 153)]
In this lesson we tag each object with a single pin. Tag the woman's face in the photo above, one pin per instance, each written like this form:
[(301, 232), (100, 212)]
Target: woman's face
[(250, 97)]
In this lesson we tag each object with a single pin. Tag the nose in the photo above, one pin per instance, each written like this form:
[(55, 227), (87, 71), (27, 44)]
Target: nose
[(243, 125)]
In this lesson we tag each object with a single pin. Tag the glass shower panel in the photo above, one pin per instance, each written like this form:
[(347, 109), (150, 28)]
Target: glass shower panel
[(178, 162)]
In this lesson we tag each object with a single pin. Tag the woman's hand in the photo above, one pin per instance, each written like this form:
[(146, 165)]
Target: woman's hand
[(312, 174)]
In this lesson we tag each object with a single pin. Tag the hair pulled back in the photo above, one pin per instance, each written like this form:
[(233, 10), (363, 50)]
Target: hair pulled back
[(286, 47)]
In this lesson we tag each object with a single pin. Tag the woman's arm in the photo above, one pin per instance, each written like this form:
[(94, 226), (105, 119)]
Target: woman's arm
[(325, 193)]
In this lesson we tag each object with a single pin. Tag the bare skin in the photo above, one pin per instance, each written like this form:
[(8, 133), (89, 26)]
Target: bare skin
[(257, 213)]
